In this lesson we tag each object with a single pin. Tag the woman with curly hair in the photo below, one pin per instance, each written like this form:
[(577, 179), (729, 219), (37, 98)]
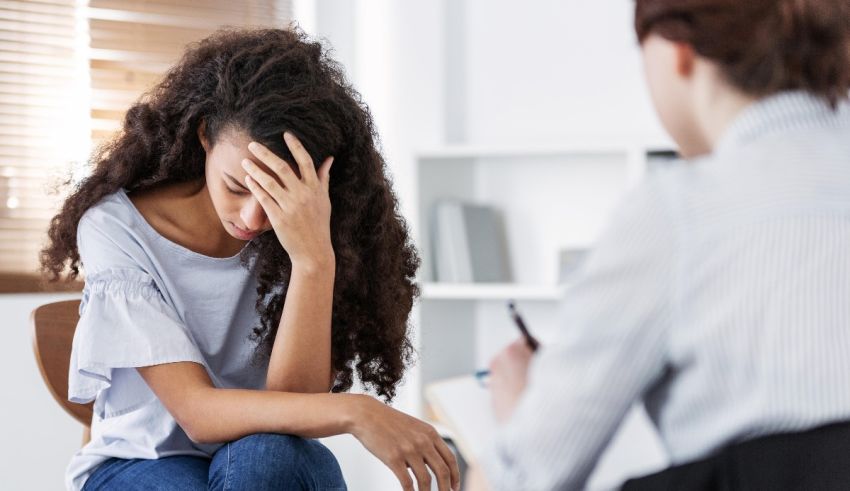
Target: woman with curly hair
[(226, 307)]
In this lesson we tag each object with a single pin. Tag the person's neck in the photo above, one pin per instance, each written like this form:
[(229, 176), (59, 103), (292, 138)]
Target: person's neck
[(209, 224), (198, 220), (719, 109)]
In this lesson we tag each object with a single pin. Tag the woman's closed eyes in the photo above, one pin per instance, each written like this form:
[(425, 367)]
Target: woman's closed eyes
[(240, 190), (236, 192)]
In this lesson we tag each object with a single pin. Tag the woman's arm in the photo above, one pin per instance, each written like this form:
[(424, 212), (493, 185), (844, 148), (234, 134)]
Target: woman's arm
[(299, 209), (208, 414), (301, 355)]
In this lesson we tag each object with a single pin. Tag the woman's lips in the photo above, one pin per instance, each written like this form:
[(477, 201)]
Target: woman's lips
[(243, 234)]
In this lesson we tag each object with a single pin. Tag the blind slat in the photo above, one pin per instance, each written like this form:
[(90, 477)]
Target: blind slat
[(52, 20), (12, 24), (63, 9), (31, 169)]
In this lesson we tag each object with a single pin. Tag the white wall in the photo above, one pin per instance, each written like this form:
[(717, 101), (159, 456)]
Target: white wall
[(544, 71), (496, 72), (38, 436)]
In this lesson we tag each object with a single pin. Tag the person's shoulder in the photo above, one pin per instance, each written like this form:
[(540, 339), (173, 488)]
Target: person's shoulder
[(674, 186), (110, 218), (108, 234), (658, 189), (110, 210)]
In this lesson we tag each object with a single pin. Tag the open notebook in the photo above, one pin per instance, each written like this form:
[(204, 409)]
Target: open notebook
[(463, 405)]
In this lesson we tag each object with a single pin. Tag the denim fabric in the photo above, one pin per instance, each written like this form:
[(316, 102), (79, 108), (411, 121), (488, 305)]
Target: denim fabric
[(264, 461)]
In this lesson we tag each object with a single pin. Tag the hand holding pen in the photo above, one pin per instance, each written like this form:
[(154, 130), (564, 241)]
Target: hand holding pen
[(508, 372), (529, 339), (532, 343)]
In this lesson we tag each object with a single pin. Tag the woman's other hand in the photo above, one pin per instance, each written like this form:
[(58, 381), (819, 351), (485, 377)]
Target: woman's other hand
[(299, 208), (401, 441), (508, 377)]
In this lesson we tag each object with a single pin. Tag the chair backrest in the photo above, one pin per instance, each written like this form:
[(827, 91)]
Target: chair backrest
[(53, 327)]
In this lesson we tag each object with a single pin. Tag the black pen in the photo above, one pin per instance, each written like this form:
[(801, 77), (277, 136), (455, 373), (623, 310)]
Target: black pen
[(529, 339)]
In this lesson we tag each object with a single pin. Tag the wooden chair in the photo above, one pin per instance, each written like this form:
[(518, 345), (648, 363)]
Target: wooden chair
[(53, 326)]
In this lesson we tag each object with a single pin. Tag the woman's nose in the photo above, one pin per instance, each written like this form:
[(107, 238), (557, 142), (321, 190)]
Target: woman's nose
[(253, 214)]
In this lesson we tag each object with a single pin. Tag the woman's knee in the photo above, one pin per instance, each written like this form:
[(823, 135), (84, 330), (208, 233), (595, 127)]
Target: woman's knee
[(284, 446), (276, 461)]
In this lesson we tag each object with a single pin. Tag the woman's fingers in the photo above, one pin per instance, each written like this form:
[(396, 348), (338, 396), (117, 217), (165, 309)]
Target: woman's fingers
[(302, 158), (451, 462), (268, 183), (309, 174), (420, 470), (276, 164), (400, 470), (408, 446), (440, 467), (266, 200), (325, 172)]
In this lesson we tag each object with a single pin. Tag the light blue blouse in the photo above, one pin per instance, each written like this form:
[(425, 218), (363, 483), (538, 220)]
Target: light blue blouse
[(147, 301)]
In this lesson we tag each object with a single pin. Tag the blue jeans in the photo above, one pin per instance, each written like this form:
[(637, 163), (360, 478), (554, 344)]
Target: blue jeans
[(264, 461)]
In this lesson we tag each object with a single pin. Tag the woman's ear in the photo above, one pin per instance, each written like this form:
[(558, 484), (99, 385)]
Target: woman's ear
[(685, 59), (202, 135)]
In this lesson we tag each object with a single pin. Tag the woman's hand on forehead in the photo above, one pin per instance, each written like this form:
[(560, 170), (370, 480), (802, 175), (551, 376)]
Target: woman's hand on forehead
[(298, 207)]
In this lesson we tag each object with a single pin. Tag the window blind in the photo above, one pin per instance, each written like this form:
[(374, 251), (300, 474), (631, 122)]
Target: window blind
[(134, 42), (39, 71), (69, 70)]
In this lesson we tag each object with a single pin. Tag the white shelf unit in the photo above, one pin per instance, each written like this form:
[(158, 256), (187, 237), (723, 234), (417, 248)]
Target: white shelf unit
[(550, 198)]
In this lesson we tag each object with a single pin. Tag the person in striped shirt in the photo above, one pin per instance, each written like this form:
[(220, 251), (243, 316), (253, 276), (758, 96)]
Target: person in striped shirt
[(719, 292)]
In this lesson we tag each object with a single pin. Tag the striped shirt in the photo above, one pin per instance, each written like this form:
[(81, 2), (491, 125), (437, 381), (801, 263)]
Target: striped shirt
[(719, 295)]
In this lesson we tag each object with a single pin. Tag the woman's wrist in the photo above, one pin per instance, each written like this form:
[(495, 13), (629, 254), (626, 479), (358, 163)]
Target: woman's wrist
[(316, 264), (354, 410)]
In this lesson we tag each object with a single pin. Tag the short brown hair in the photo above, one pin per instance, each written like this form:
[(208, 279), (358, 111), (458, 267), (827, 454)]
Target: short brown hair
[(762, 46)]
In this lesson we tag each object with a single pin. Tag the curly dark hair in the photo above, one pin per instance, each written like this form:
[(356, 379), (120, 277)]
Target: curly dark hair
[(265, 82)]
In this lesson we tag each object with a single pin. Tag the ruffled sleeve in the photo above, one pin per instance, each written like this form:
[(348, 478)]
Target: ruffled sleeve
[(124, 322)]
